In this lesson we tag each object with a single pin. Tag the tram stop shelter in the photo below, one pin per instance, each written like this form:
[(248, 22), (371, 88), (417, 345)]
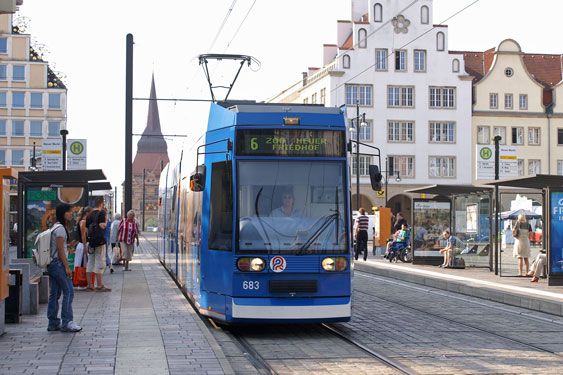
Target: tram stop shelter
[(551, 188), (465, 211), (39, 194)]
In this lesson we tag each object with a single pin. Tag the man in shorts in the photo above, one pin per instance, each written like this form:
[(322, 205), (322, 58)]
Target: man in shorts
[(97, 254), (127, 233)]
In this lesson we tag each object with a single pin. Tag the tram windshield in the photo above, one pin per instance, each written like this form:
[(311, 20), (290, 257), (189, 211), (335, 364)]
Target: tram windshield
[(293, 207)]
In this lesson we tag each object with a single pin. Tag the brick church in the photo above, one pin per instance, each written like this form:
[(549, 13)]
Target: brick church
[(152, 155)]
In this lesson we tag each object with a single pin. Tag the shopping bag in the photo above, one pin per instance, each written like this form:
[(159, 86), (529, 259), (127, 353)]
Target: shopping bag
[(80, 277)]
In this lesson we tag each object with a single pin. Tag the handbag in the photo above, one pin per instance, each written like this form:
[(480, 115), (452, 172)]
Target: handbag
[(79, 278), (516, 230)]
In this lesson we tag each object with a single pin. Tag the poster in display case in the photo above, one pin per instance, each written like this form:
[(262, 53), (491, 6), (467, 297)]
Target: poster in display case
[(430, 219)]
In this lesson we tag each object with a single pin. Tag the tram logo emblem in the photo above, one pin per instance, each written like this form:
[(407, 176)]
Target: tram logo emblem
[(486, 153), (278, 264)]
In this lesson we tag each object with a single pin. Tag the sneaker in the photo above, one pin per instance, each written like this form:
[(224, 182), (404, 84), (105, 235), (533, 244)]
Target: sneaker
[(111, 270), (71, 327), (53, 328)]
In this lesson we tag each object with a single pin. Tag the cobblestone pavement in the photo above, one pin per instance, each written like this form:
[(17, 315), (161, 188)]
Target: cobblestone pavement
[(122, 332)]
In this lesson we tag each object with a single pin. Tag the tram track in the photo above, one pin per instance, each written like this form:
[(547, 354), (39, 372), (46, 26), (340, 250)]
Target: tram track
[(471, 326)]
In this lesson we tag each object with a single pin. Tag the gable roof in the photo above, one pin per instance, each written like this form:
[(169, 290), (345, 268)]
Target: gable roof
[(477, 64)]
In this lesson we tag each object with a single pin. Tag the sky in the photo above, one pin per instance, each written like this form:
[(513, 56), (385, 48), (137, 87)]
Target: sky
[(86, 42)]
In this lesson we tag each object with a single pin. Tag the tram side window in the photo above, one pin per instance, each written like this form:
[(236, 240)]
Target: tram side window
[(221, 210)]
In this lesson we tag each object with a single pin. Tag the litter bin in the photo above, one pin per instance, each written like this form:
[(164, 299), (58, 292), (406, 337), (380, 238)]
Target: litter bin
[(14, 300)]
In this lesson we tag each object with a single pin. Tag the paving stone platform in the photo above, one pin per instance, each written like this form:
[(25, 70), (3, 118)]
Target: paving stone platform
[(143, 326)]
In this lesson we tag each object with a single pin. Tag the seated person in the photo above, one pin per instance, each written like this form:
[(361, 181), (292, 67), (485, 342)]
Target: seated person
[(452, 242), (538, 267), (287, 208), (400, 237)]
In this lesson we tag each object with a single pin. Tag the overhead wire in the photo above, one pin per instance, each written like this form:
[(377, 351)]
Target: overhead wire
[(240, 26)]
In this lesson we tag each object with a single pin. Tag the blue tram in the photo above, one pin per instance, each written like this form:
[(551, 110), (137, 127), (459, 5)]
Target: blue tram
[(254, 220)]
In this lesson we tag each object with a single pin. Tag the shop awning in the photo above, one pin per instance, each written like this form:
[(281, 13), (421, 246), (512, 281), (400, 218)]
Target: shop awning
[(538, 181), (451, 189)]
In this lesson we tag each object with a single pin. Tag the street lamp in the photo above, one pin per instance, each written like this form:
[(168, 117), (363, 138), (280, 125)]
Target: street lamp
[(363, 124), (397, 179)]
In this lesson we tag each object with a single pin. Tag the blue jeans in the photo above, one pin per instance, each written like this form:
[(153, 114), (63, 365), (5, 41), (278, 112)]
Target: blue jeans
[(59, 283), (108, 260)]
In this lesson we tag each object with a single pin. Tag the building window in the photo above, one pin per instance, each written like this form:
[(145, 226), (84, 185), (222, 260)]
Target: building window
[(3, 127), (560, 136), (314, 98), (400, 131), (424, 15), (442, 97), (54, 101), (508, 72), (534, 136), (36, 129), (402, 164), (442, 166), (378, 13), (18, 72), (493, 101), (17, 157), (442, 132), (560, 167), (346, 62), (523, 101), (36, 100), (3, 45), (483, 135), (17, 128), (362, 38), (3, 72), (365, 161), (18, 99), (455, 66), (2, 99), (54, 129), (534, 167), (323, 96), (306, 101), (517, 136), (500, 131), (380, 59), (440, 41), (400, 60), (507, 101), (360, 94), (2, 157), (419, 61), (365, 131), (400, 96), (520, 167)]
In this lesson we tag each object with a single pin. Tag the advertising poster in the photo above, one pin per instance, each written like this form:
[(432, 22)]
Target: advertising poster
[(472, 218), (556, 233), (431, 218)]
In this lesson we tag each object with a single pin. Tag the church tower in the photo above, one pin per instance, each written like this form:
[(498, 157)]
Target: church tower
[(152, 154)]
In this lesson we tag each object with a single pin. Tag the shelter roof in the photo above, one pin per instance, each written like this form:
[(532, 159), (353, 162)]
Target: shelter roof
[(95, 186), (538, 181), (62, 177), (451, 189)]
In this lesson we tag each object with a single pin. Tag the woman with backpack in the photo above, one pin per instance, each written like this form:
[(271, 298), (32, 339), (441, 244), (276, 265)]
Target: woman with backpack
[(60, 275)]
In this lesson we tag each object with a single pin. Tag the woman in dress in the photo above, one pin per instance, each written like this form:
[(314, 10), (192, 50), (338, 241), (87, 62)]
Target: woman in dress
[(522, 243)]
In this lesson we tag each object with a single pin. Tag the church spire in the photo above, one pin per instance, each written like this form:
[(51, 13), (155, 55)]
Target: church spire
[(152, 139)]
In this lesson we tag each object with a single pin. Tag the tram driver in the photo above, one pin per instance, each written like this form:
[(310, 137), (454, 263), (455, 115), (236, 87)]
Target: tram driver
[(287, 208)]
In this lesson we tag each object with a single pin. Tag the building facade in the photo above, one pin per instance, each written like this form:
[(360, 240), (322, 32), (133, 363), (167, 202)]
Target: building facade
[(515, 98), (392, 64), (32, 98)]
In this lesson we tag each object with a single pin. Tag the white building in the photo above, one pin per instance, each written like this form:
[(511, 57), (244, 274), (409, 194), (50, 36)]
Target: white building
[(415, 94)]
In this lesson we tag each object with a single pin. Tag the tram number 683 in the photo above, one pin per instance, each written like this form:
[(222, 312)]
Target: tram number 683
[(250, 285)]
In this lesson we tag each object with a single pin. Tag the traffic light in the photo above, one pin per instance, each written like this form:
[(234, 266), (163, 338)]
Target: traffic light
[(375, 177)]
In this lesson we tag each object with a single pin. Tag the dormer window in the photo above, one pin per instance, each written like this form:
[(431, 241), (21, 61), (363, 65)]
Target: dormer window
[(424, 15), (362, 38), (377, 13)]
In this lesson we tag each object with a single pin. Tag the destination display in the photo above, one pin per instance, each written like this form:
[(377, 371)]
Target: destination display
[(290, 142)]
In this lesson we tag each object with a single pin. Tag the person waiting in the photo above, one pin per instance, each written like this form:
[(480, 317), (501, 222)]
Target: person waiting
[(538, 267), (400, 238), (451, 243)]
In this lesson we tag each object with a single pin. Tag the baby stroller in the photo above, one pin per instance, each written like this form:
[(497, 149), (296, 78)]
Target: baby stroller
[(401, 250)]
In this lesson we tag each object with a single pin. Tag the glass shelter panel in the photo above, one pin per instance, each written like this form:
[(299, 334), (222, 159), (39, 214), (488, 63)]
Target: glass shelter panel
[(473, 230)]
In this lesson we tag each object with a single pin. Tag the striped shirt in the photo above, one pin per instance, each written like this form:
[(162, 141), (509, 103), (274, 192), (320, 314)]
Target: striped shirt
[(127, 231), (362, 222)]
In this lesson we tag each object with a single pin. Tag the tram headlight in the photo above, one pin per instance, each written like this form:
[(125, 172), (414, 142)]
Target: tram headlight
[(251, 264), (257, 264), (334, 264)]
